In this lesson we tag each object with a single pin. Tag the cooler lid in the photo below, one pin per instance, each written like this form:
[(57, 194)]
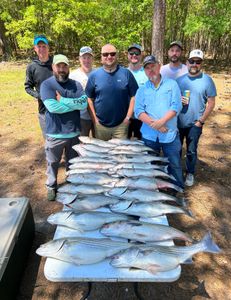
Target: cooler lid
[(12, 215)]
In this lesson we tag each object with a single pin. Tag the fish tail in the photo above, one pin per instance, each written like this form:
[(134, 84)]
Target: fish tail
[(209, 244), (181, 202), (188, 212)]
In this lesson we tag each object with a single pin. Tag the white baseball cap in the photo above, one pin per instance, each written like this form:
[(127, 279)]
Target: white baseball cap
[(85, 50), (196, 53)]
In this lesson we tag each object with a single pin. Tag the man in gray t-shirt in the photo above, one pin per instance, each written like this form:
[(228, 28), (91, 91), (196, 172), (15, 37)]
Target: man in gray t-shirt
[(174, 68)]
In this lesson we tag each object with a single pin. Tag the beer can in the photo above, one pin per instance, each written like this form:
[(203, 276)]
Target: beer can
[(187, 94)]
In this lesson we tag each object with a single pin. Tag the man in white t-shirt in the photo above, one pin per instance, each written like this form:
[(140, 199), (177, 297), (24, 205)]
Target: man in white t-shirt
[(81, 75), (175, 68)]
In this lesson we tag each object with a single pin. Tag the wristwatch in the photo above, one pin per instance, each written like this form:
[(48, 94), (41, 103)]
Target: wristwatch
[(202, 123)]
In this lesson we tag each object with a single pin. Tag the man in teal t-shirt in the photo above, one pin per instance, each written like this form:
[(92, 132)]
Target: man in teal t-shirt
[(194, 113)]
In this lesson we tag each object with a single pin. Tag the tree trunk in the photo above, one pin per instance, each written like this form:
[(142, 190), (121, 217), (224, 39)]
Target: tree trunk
[(158, 29)]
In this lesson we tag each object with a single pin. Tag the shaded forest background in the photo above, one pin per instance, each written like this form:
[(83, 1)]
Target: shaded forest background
[(70, 24)]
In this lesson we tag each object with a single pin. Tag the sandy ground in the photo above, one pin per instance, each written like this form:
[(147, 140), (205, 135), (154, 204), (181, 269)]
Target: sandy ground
[(23, 174)]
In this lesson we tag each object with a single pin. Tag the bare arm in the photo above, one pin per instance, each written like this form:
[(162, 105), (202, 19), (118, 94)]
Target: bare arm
[(130, 110), (91, 110), (209, 108)]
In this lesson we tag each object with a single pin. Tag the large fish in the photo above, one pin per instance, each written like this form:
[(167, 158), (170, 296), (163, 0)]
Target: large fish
[(126, 142), (86, 153), (147, 210), (126, 152), (83, 189), (65, 198), (84, 220), (81, 251), (100, 179), (139, 158), (87, 171), (97, 160), (143, 195), (95, 148), (143, 232), (134, 148), (89, 165), (97, 142), (147, 183), (92, 202), (142, 166), (144, 173), (157, 259)]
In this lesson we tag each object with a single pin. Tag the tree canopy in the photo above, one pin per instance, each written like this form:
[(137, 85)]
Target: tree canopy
[(70, 24)]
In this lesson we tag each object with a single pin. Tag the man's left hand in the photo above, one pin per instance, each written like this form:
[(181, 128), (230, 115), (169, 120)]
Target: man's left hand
[(198, 124), (157, 124), (58, 96)]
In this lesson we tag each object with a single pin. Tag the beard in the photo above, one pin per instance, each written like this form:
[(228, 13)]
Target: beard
[(174, 59), (194, 70), (61, 77)]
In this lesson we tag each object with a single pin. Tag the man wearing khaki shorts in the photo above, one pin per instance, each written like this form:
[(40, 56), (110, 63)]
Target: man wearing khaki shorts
[(111, 91)]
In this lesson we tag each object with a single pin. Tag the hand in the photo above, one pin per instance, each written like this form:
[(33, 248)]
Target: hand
[(126, 121), (58, 96), (198, 124), (163, 129), (184, 100), (157, 124)]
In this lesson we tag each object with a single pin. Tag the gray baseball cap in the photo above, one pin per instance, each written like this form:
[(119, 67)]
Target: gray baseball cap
[(150, 59), (85, 50), (136, 46)]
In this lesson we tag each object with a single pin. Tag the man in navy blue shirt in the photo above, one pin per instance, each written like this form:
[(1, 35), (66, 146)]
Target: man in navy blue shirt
[(111, 90), (63, 98)]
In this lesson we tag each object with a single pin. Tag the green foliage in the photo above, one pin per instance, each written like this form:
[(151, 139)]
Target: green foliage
[(69, 24)]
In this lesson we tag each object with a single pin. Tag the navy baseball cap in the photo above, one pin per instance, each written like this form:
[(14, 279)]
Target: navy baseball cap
[(136, 46), (40, 38), (150, 59)]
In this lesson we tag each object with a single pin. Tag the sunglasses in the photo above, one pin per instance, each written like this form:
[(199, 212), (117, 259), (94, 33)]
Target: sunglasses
[(106, 54), (137, 53), (192, 61)]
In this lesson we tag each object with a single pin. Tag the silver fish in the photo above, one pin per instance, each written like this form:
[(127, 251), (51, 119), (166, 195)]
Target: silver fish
[(86, 171), (126, 152), (126, 142), (65, 198), (157, 259), (143, 232), (145, 173), (143, 195), (139, 158), (83, 189), (95, 148), (89, 165), (89, 159), (84, 220), (86, 153), (92, 202), (134, 148), (147, 210), (97, 142), (81, 251), (142, 166), (100, 179)]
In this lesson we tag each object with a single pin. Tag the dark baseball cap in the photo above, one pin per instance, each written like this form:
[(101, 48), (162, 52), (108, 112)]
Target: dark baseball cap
[(176, 43), (40, 38), (150, 59), (136, 46)]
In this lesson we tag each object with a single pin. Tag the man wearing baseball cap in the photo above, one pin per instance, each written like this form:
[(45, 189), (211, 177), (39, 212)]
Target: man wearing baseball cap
[(199, 105), (63, 99), (174, 68), (37, 71), (136, 67), (81, 75), (157, 104)]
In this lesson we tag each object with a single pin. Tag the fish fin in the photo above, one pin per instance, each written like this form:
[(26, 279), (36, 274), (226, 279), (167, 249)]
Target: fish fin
[(181, 202), (209, 244), (188, 261), (153, 268), (188, 212)]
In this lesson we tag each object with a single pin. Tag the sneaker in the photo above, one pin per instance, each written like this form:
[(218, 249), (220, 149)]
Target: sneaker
[(51, 193), (189, 180)]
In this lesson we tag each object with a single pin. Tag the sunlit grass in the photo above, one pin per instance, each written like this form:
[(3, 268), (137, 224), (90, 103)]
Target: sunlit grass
[(18, 110)]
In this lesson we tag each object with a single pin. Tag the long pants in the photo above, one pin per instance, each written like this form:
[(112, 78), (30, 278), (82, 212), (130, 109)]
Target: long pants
[(107, 133), (172, 151), (42, 123), (86, 127), (134, 128), (192, 135), (54, 149)]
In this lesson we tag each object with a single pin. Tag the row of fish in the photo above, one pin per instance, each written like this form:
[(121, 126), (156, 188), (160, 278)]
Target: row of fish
[(120, 175)]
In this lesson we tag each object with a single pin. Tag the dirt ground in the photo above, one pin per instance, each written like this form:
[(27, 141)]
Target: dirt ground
[(23, 174)]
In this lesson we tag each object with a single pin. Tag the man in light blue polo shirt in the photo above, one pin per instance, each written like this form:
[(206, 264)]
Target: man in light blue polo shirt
[(157, 104), (201, 103)]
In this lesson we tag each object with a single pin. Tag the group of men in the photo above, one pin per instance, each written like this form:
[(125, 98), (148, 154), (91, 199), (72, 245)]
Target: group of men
[(144, 101)]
